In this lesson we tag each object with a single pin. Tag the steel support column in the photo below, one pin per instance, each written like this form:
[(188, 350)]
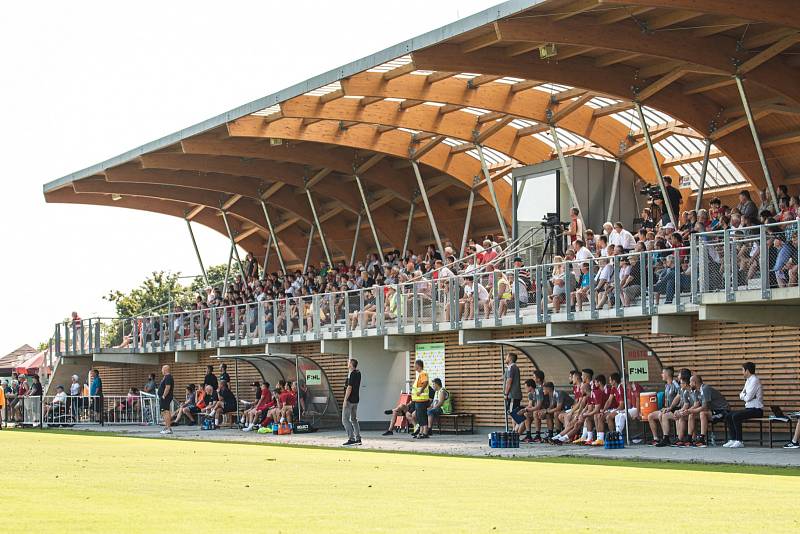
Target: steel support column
[(425, 201), (319, 228), (274, 237), (266, 257), (355, 241), (308, 249), (566, 173), (492, 193), (654, 160), (751, 122), (412, 205), (233, 243), (467, 222), (227, 273), (702, 185), (614, 187), (196, 250), (369, 215)]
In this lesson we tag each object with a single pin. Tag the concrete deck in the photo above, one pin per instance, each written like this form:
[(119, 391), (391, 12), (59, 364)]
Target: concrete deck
[(477, 445)]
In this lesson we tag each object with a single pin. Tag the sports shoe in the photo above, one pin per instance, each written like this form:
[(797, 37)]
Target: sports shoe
[(387, 412), (166, 431), (597, 443), (349, 442), (526, 439), (701, 442), (728, 443), (358, 441), (654, 443), (737, 445), (792, 445), (537, 439), (388, 433), (578, 441), (663, 443)]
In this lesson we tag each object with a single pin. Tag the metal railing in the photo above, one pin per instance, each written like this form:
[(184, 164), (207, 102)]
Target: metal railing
[(633, 284)]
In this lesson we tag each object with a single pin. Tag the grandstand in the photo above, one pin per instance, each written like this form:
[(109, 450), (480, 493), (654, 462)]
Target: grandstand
[(347, 188)]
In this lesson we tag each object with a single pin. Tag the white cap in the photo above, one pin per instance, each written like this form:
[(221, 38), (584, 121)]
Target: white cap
[(670, 226)]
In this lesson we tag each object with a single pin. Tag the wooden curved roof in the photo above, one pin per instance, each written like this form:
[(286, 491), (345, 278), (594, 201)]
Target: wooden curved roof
[(479, 80)]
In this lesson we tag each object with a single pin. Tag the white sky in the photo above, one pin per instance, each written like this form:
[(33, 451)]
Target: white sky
[(84, 81)]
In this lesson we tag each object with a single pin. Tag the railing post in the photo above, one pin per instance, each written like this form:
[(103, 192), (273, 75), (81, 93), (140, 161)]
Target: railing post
[(538, 293), (763, 261), (495, 299), (261, 318), (58, 339), (83, 340), (414, 298), (617, 288), (347, 313), (569, 278), (434, 306), (651, 296), (362, 319), (476, 316), (380, 310), (676, 297), (592, 291), (545, 282), (726, 259), (316, 320), (694, 268), (517, 300), (212, 325)]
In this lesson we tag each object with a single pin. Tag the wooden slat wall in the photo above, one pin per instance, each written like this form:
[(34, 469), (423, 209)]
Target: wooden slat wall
[(474, 375)]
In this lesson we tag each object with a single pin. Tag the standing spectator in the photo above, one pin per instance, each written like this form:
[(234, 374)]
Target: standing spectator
[(150, 386), (210, 378), (674, 198), (96, 393), (223, 373), (512, 387), (420, 394), (74, 394), (620, 236), (746, 206), (576, 229), (350, 405), (165, 395), (753, 397)]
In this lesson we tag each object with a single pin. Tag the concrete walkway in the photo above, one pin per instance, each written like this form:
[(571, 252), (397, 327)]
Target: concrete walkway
[(477, 445)]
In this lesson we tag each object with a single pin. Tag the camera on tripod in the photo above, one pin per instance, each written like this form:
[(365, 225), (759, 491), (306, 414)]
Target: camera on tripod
[(551, 221), (652, 191)]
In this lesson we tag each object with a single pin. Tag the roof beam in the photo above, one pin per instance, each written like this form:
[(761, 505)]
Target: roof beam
[(491, 116), (530, 130), (487, 132), (660, 84), (517, 49), (612, 58), (273, 117), (477, 81), (641, 145), (785, 138), (570, 107), (524, 85), (230, 202), (367, 100), (371, 162), (769, 53), (449, 108), (575, 8), (245, 233), (463, 147), (330, 97), (707, 84), (408, 104), (719, 26), (482, 41), (383, 128), (613, 108), (622, 13), (417, 153), (569, 94), (271, 190), (399, 71), (757, 40), (669, 18), (195, 212), (438, 76), (690, 158), (317, 177)]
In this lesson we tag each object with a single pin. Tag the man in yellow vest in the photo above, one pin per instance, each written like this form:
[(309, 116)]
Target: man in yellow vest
[(421, 398)]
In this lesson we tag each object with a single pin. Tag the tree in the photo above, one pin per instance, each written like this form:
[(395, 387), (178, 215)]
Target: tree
[(152, 297), (216, 278)]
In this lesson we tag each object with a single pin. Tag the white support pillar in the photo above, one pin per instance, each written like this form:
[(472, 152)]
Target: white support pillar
[(702, 185), (427, 204), (566, 173), (369, 215), (490, 184), (355, 241), (654, 160), (319, 228), (196, 250), (274, 237), (233, 243), (467, 222)]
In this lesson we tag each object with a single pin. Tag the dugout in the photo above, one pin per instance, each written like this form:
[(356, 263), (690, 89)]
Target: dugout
[(604, 354), (321, 407)]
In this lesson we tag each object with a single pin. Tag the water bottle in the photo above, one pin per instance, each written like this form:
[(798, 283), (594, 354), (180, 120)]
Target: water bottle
[(712, 440)]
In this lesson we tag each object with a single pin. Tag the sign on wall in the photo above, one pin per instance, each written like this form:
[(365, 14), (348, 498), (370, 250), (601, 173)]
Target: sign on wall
[(313, 377), (638, 371), (433, 356)]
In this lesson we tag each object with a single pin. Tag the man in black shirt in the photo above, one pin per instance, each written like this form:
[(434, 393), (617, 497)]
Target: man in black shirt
[(226, 404), (210, 379), (674, 197), (223, 373), (165, 393), (350, 405)]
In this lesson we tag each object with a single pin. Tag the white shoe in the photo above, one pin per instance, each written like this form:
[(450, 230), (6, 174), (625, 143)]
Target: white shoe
[(166, 431), (737, 445), (728, 443)]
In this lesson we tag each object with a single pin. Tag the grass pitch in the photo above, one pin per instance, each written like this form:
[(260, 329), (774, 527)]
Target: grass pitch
[(115, 484)]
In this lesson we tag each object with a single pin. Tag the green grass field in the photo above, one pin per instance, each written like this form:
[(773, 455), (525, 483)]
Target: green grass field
[(97, 483)]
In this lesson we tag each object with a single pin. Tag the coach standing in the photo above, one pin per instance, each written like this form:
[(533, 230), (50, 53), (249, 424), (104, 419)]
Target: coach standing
[(165, 391), (512, 386), (350, 405)]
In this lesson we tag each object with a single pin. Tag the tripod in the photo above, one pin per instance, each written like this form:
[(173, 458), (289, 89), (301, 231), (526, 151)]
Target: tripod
[(552, 241)]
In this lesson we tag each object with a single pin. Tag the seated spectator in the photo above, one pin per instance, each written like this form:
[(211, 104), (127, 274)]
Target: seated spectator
[(401, 410), (442, 404), (753, 397), (188, 408), (59, 405), (794, 443), (671, 401), (710, 407), (468, 301), (125, 409)]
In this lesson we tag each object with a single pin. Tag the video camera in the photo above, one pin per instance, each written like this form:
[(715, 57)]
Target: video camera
[(652, 191), (552, 222)]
